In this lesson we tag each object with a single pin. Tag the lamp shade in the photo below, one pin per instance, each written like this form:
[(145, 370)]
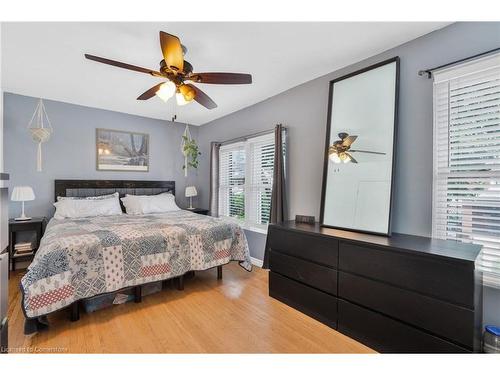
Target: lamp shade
[(22, 194), (166, 91), (191, 191)]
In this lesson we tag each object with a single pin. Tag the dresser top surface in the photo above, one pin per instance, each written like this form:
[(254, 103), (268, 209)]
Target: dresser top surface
[(415, 244)]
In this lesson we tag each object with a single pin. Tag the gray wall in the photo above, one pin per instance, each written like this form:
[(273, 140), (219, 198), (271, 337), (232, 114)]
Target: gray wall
[(70, 153), (256, 244), (303, 110)]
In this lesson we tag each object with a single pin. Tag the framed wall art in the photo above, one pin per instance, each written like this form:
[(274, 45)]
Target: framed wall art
[(118, 150)]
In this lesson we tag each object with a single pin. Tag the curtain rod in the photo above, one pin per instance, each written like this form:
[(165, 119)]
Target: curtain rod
[(246, 137), (429, 71)]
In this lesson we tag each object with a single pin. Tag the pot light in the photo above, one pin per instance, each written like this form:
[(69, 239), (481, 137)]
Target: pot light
[(166, 91)]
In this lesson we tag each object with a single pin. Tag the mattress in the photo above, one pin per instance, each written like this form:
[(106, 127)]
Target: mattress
[(85, 257)]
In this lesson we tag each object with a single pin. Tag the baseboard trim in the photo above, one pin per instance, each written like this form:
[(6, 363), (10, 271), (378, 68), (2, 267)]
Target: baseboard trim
[(256, 262)]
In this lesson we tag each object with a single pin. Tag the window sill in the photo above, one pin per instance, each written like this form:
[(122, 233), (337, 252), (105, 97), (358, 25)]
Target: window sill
[(251, 228)]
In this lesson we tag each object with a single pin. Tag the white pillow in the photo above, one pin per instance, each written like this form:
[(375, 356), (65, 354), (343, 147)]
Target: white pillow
[(149, 204), (132, 204), (98, 197), (75, 208)]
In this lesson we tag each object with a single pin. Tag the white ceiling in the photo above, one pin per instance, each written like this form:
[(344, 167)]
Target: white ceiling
[(46, 59)]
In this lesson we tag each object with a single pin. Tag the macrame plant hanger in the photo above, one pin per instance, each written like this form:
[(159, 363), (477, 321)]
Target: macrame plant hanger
[(40, 129)]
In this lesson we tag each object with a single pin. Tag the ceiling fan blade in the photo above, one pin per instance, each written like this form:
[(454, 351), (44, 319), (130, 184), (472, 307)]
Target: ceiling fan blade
[(172, 51), (221, 78), (188, 68), (150, 93), (202, 98), (349, 140), (123, 65), (352, 159), (368, 152)]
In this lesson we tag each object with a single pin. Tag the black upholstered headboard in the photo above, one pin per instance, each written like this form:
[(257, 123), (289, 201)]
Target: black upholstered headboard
[(88, 188)]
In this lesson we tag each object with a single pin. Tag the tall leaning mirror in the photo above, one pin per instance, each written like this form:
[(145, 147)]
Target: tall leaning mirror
[(359, 156)]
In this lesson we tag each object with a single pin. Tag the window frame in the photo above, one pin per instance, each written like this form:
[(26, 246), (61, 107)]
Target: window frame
[(249, 186), (475, 71)]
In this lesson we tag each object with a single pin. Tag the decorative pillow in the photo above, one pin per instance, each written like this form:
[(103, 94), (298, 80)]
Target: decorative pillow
[(149, 204), (98, 197), (75, 208), (132, 204)]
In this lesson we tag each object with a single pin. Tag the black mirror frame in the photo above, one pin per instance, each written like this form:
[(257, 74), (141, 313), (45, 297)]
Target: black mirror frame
[(327, 144)]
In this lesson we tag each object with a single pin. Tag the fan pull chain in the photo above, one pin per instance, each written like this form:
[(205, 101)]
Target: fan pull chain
[(173, 108)]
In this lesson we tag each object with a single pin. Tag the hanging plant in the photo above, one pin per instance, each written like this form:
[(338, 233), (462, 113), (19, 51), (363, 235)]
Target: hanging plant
[(190, 150)]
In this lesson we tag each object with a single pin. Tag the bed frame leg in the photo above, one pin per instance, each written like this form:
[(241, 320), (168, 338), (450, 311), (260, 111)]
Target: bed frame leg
[(138, 294), (180, 282), (74, 312), (219, 272)]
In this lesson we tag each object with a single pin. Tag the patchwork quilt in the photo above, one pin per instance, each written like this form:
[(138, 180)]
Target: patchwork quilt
[(80, 258)]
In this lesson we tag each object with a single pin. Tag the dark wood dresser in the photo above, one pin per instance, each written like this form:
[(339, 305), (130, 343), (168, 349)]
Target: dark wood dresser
[(398, 294)]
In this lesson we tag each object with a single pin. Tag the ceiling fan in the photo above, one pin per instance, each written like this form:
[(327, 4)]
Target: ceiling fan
[(178, 73), (339, 151)]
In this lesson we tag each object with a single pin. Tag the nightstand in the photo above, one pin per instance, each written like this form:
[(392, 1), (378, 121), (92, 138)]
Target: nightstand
[(36, 225), (201, 211)]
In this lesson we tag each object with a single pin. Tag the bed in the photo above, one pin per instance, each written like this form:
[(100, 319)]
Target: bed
[(85, 257)]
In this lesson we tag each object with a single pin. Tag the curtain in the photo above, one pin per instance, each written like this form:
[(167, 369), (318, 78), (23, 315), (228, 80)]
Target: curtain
[(278, 209), (214, 179)]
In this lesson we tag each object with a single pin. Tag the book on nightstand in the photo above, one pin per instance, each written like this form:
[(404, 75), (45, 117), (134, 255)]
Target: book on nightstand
[(23, 248)]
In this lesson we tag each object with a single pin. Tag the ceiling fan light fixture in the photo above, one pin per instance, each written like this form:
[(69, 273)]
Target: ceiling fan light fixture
[(184, 95), (334, 157), (166, 91), (187, 92), (344, 158), (181, 100)]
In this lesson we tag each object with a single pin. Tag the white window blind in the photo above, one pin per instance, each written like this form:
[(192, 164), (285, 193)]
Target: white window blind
[(466, 191), (260, 184), (246, 181), (232, 181)]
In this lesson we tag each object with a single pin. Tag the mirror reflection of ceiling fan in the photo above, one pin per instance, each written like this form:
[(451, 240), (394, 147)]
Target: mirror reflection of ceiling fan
[(340, 150), (178, 73)]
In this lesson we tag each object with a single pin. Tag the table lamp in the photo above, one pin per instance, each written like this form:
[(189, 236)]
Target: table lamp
[(22, 194), (190, 193)]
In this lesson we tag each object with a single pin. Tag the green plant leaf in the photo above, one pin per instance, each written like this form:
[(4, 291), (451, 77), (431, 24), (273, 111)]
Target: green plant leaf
[(192, 152)]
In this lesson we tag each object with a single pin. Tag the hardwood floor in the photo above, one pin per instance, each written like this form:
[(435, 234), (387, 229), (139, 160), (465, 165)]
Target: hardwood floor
[(233, 315)]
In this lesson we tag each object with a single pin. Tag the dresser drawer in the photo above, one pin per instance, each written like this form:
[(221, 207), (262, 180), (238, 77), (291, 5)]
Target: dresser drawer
[(323, 250), (310, 301), (446, 280), (387, 335), (442, 318), (309, 273)]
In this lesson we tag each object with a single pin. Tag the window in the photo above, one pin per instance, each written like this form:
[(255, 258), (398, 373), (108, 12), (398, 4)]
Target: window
[(466, 196), (246, 181), (232, 181)]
